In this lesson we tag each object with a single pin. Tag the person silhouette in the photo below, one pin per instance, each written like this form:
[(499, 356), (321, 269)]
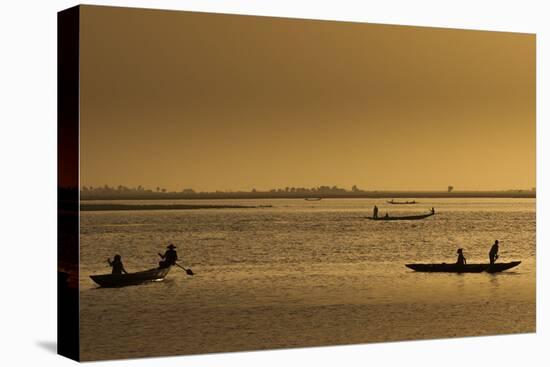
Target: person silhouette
[(375, 212), (461, 260), (116, 264), (169, 258), (493, 253)]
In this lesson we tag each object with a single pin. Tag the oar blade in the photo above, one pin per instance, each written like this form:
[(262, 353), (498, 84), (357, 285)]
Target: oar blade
[(189, 272)]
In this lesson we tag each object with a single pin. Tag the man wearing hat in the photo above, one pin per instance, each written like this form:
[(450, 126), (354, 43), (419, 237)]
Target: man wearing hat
[(169, 258)]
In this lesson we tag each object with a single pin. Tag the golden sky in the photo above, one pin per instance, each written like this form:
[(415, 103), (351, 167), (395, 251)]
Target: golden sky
[(217, 102)]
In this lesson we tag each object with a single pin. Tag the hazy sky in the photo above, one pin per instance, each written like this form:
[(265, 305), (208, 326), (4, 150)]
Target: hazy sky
[(204, 101)]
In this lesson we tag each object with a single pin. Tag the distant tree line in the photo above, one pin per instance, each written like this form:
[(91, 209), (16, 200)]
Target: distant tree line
[(141, 190), (119, 189), (107, 192)]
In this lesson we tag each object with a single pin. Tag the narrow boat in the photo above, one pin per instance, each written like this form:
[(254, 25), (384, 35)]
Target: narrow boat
[(407, 217), (459, 268), (401, 202), (121, 280), (312, 199)]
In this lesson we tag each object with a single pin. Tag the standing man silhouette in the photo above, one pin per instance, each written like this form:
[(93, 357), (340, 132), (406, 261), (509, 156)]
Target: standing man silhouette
[(493, 253)]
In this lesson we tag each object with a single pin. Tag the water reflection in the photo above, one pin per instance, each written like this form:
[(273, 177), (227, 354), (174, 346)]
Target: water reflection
[(294, 275)]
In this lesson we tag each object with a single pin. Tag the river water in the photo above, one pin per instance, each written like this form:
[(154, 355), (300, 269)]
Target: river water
[(303, 273)]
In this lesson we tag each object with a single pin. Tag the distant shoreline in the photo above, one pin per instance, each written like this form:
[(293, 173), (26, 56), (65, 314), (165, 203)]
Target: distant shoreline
[(111, 207), (511, 194)]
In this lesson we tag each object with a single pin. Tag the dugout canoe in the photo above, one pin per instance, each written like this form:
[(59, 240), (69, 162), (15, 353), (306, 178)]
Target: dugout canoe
[(122, 280), (407, 217), (468, 268)]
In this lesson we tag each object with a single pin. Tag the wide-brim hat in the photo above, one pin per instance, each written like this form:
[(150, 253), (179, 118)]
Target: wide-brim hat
[(171, 246)]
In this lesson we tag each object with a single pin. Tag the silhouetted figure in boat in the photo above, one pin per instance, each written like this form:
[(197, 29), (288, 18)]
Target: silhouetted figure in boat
[(375, 212), (387, 215), (433, 210), (461, 260), (493, 253), (169, 258), (116, 264)]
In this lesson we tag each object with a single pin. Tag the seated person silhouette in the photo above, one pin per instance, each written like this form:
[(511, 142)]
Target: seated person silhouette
[(461, 260), (116, 264), (169, 258)]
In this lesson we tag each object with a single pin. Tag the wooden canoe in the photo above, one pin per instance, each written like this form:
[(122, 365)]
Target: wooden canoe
[(468, 268), (407, 217), (122, 280), (401, 202)]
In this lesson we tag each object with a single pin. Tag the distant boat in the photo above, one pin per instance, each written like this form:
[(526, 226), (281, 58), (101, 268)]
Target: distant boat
[(459, 268), (312, 199), (122, 280), (406, 217), (400, 202)]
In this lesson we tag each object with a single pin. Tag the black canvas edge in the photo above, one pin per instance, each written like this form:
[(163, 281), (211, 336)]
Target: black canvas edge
[(68, 147)]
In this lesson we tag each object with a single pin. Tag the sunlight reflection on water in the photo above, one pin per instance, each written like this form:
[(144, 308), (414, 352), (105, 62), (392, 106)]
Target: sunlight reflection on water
[(303, 274)]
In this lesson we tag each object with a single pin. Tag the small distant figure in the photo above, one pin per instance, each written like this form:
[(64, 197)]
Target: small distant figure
[(433, 210), (169, 258), (461, 260), (387, 215), (375, 212), (493, 253), (116, 264)]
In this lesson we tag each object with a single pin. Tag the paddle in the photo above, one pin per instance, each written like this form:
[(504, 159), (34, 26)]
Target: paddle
[(188, 271)]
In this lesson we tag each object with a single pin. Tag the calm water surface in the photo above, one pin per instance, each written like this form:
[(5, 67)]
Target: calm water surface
[(304, 273)]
